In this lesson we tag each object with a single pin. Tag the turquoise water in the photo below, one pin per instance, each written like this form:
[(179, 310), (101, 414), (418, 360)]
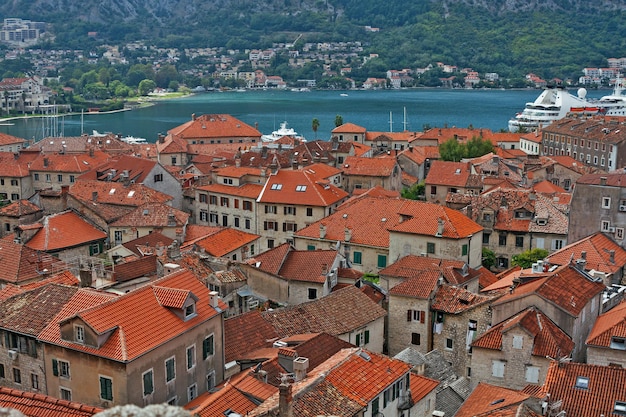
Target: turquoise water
[(267, 109)]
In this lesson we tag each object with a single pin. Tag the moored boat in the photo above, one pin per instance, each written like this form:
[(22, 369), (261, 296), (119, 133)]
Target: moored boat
[(282, 132)]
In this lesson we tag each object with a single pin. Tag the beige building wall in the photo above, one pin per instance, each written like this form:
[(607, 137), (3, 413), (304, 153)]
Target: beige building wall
[(28, 364), (130, 232), (454, 331), (376, 331), (518, 363), (401, 332), (606, 356)]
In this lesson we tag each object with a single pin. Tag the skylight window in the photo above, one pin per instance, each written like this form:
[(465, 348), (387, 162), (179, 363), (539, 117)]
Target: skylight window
[(131, 193), (112, 191), (300, 187), (582, 382), (620, 408), (276, 187)]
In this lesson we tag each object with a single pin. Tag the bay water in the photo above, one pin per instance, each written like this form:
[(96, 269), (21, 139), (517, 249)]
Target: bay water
[(375, 110)]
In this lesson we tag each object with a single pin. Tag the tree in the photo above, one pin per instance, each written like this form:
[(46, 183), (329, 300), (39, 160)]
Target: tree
[(146, 86), (528, 257), (338, 120), (489, 258), (315, 124), (451, 150), (414, 192)]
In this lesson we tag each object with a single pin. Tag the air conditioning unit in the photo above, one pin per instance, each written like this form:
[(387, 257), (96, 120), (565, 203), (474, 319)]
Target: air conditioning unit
[(622, 207), (13, 354), (611, 230)]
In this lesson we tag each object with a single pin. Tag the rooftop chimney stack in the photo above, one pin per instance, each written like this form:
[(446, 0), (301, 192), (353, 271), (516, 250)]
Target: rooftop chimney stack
[(214, 299)]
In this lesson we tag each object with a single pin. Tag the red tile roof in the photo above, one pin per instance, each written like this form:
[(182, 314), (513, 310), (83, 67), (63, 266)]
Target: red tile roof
[(369, 167), (298, 265), (608, 325), (548, 338), (6, 139), (421, 285), (349, 128), (137, 268), (22, 264), (454, 300), (214, 126), (153, 215), (76, 164), (612, 179), (136, 168), (137, 321), (16, 167), (363, 377), (245, 190), (20, 208), (452, 174), (151, 240), (487, 399), (606, 385), (39, 405), (94, 193), (245, 333), (598, 249), (566, 288), (64, 230), (286, 187), (223, 241)]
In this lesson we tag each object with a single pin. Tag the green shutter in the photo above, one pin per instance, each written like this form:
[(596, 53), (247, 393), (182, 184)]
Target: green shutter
[(106, 389), (211, 346), (357, 341), (55, 367), (464, 250), (205, 348), (367, 337), (382, 261), (147, 383), (357, 258)]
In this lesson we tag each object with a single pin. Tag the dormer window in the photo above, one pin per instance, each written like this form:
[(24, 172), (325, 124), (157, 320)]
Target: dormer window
[(620, 408), (79, 334), (618, 343), (190, 311)]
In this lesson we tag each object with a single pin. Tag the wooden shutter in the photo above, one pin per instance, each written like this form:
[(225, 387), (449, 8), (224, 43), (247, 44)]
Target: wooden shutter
[(422, 316), (409, 315), (55, 367), (367, 337)]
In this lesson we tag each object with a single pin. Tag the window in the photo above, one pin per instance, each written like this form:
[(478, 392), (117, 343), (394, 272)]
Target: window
[(620, 408), (519, 241), (497, 369), (2, 376), (518, 342), (247, 205), (356, 257), (270, 209), (15, 196), (309, 211), (606, 202), (203, 215), (173, 401), (79, 334), (170, 369), (36, 177), (106, 388), (158, 177), (449, 344), (416, 315), (362, 338), (289, 210), (270, 225), (228, 181), (192, 392), (208, 347), (94, 249), (415, 338), (34, 381), (236, 203), (430, 247), (310, 247), (532, 374), (202, 197), (224, 201), (486, 237), (64, 369), (190, 310), (72, 179), (66, 394), (289, 227), (173, 159), (48, 178), (582, 382), (464, 250), (502, 239), (618, 343), (312, 293), (300, 188), (270, 243), (17, 376), (60, 178), (604, 226), (375, 406), (248, 224), (236, 221), (557, 244), (14, 183), (382, 261), (191, 357), (276, 187), (225, 220), (213, 199), (148, 382), (619, 233), (210, 381)]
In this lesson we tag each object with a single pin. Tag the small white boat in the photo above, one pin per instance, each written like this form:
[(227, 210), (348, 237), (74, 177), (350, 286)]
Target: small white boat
[(133, 140), (343, 95)]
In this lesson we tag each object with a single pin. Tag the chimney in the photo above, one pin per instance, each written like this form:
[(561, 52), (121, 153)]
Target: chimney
[(583, 255), (440, 225), (193, 116), (173, 250), (602, 180), (347, 234), (300, 367), (322, 231), (171, 220), (286, 358), (612, 256), (94, 196), (237, 162), (285, 399), (45, 162), (85, 278), (214, 298), (91, 152)]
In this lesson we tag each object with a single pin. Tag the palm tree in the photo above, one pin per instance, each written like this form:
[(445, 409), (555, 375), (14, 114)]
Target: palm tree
[(315, 124), (338, 120)]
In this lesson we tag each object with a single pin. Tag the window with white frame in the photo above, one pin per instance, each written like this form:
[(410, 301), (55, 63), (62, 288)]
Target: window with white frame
[(604, 226), (582, 382), (497, 368), (64, 369), (192, 392), (148, 382), (65, 394), (170, 369), (106, 388), (606, 202), (79, 334)]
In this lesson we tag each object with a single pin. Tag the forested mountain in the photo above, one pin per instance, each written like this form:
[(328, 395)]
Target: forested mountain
[(511, 37)]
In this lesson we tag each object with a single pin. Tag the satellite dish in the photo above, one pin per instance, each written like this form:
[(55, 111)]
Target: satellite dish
[(582, 92)]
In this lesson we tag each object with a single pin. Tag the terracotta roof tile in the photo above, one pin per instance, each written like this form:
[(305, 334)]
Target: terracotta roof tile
[(454, 300), (22, 264), (421, 285), (137, 268), (298, 265), (171, 297), (245, 190), (223, 241), (605, 386), (548, 338), (137, 169), (301, 187), (136, 320), (153, 215), (216, 126), (6, 139), (20, 208), (370, 167), (64, 230), (94, 193), (272, 260), (247, 332), (152, 240), (39, 405), (486, 399), (339, 312), (608, 325), (349, 128), (598, 248), (30, 312), (67, 162), (566, 288)]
